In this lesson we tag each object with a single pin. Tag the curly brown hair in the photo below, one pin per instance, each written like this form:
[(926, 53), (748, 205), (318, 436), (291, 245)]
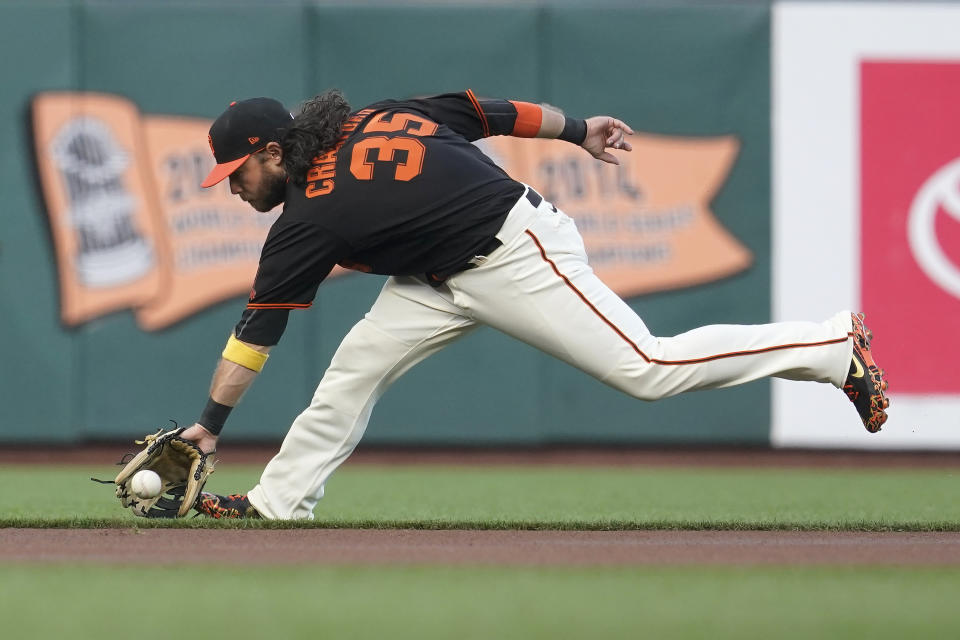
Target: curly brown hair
[(313, 131)]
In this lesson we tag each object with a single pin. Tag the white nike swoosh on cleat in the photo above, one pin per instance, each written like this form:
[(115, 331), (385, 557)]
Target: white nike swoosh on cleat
[(858, 371)]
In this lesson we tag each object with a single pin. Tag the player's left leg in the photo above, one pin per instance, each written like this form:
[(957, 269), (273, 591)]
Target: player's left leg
[(408, 322)]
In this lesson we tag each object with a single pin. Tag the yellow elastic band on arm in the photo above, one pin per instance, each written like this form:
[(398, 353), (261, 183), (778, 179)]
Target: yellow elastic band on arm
[(241, 354)]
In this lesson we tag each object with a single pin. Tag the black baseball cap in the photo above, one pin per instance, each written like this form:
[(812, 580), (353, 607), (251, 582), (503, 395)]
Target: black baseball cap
[(243, 129)]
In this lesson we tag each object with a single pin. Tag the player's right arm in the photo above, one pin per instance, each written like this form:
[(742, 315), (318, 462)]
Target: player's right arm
[(474, 118), (599, 132)]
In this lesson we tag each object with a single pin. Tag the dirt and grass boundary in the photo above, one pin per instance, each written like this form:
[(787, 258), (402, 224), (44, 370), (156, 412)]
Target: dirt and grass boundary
[(466, 547), (491, 543)]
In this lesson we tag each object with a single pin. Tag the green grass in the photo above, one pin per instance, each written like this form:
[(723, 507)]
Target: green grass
[(83, 602), (540, 497)]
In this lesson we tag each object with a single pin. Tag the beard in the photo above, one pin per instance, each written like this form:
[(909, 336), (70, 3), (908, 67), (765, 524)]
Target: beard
[(274, 192)]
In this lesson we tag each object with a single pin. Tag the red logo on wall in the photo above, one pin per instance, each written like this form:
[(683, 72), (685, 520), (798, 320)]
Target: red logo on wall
[(910, 220)]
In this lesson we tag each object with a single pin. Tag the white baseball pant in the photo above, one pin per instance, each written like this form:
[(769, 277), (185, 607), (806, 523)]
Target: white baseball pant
[(538, 288)]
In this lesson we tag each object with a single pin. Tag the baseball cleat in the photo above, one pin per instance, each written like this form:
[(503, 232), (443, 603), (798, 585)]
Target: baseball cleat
[(865, 384), (232, 507)]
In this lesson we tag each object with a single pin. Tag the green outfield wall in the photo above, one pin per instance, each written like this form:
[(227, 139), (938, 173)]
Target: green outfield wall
[(680, 72)]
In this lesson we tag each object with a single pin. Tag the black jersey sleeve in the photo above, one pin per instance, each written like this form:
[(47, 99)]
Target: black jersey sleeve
[(467, 115), (296, 257)]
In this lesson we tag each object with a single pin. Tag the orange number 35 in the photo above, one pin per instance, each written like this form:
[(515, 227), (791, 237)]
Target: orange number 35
[(387, 148)]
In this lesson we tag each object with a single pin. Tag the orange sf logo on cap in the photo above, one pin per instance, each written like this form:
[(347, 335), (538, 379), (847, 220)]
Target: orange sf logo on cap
[(254, 140), (210, 142)]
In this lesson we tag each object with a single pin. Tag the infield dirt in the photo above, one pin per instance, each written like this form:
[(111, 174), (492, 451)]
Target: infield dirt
[(494, 547), (456, 547)]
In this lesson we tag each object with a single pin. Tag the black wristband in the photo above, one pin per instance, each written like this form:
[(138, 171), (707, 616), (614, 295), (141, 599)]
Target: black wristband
[(214, 416), (574, 130)]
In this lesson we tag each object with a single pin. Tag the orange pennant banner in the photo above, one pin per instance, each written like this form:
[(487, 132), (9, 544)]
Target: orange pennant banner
[(132, 229), (646, 223), (131, 226)]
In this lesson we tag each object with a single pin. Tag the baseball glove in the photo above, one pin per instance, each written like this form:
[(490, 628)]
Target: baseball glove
[(183, 470)]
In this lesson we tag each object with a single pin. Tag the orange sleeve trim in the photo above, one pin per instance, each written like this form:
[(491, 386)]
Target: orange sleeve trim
[(529, 119), (290, 305), (483, 118)]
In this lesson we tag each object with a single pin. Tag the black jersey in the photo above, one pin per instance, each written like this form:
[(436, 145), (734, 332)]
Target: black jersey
[(403, 193)]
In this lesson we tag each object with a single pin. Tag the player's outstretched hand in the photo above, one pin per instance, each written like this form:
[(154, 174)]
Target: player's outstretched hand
[(604, 132), (200, 437)]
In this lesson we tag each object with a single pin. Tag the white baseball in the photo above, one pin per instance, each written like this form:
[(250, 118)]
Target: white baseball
[(146, 484)]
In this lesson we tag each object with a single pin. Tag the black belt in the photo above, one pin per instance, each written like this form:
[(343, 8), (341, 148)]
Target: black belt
[(484, 250), (534, 197)]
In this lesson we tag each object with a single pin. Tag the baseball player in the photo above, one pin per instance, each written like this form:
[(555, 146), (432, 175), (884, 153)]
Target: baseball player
[(397, 188)]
